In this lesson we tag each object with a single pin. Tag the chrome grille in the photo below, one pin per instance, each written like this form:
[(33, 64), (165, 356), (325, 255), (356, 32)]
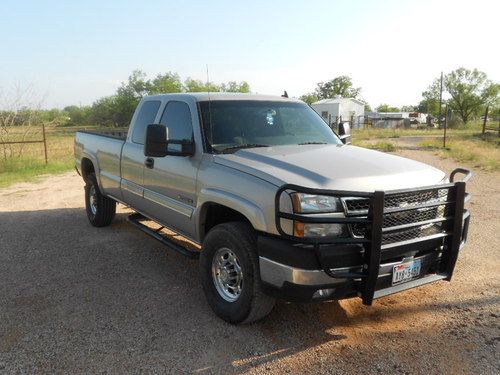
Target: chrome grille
[(415, 211)]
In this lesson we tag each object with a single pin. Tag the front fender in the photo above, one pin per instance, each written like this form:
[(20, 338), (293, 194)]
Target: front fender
[(247, 208)]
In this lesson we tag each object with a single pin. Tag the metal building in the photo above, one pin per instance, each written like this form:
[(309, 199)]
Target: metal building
[(336, 110)]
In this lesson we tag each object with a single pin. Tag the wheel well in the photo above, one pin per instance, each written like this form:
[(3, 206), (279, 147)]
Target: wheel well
[(214, 214), (87, 168)]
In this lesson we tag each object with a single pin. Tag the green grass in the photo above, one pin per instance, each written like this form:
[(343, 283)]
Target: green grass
[(385, 146), (17, 166), (374, 133), (481, 152), (25, 169)]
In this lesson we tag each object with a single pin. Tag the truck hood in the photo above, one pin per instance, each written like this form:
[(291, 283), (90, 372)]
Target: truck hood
[(338, 167)]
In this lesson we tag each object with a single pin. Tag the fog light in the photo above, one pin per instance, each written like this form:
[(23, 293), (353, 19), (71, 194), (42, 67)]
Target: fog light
[(323, 293), (320, 230)]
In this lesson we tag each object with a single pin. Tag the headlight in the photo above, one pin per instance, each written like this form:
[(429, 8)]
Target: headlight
[(316, 204), (313, 204)]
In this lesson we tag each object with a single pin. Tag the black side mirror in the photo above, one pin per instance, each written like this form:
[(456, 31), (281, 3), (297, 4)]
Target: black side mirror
[(156, 141), (345, 133)]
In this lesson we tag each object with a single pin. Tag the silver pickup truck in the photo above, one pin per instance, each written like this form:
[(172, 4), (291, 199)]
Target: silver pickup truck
[(273, 202)]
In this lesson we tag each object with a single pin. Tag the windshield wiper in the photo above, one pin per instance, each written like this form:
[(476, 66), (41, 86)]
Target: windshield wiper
[(239, 147), (313, 143)]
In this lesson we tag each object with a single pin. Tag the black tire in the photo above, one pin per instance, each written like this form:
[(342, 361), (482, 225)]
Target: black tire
[(104, 208), (252, 304)]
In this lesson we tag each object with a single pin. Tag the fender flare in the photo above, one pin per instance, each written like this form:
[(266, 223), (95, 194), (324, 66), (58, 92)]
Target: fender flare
[(247, 208)]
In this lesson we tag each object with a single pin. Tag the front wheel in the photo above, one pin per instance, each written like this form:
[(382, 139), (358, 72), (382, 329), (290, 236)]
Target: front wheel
[(230, 274), (100, 209)]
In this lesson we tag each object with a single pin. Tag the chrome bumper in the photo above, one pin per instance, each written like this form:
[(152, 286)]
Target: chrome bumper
[(276, 274)]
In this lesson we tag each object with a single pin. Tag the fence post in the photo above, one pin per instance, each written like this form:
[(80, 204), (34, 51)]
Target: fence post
[(44, 143), (485, 119)]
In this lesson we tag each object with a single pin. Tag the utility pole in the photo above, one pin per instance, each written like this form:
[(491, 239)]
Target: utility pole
[(440, 98), (445, 125)]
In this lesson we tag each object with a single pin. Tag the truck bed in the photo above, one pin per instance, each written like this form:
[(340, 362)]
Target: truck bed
[(116, 133), (103, 149)]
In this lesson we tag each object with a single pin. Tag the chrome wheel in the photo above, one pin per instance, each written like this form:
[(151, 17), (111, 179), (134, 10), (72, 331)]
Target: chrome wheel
[(227, 274), (93, 200)]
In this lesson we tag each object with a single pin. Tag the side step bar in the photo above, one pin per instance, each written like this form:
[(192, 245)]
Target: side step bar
[(135, 220), (409, 285)]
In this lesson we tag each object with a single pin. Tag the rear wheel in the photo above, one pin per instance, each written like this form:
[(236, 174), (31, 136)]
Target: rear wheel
[(230, 274), (100, 209)]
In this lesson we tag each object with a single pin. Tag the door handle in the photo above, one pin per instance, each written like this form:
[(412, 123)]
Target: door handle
[(149, 163)]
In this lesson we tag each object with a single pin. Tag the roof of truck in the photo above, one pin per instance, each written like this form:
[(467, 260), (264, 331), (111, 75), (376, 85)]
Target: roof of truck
[(205, 96)]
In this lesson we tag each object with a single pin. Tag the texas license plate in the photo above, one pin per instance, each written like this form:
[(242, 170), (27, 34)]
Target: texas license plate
[(402, 273)]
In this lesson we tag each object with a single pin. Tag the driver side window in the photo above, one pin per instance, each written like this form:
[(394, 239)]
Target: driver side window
[(177, 119)]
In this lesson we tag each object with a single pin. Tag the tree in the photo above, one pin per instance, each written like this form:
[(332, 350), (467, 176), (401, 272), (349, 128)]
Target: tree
[(165, 83), (368, 108), (339, 86), (469, 92), (386, 108), (309, 98), (77, 115), (409, 108), (196, 85), (233, 86)]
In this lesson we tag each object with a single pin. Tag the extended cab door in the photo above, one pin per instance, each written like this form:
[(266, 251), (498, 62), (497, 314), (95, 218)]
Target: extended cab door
[(170, 183), (132, 161)]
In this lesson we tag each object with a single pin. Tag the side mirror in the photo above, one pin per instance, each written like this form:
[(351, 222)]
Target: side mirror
[(156, 141), (345, 133)]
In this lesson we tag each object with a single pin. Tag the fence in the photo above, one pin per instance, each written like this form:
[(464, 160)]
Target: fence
[(22, 142), (488, 127)]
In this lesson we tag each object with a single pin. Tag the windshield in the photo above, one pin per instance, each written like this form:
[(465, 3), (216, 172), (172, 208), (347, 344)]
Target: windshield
[(235, 124)]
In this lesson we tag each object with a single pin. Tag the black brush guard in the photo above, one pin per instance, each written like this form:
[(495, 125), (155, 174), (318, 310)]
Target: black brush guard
[(452, 234)]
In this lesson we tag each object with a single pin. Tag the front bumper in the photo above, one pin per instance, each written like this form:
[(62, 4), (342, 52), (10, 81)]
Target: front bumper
[(324, 269)]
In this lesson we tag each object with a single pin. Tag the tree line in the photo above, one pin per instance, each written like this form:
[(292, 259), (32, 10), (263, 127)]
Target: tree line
[(466, 92), (116, 110)]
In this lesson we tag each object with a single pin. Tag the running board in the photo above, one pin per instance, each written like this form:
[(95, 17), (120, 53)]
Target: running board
[(135, 220), (408, 285)]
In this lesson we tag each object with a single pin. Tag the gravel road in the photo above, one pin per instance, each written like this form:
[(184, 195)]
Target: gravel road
[(78, 299)]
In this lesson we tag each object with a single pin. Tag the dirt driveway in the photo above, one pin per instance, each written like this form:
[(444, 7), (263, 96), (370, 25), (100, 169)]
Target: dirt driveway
[(78, 299)]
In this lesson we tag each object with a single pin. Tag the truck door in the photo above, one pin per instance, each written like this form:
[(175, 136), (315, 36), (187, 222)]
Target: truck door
[(132, 160), (170, 183)]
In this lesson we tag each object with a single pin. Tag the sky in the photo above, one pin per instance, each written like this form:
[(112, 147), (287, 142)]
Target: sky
[(74, 52)]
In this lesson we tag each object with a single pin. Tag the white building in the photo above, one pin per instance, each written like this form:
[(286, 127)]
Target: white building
[(341, 109)]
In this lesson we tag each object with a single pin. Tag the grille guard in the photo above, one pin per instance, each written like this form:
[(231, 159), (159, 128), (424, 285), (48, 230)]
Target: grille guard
[(454, 226)]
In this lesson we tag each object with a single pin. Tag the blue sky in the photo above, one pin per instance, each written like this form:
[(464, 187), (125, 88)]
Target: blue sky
[(73, 52)]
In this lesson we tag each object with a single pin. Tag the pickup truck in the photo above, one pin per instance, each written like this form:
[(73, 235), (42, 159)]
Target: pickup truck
[(273, 202)]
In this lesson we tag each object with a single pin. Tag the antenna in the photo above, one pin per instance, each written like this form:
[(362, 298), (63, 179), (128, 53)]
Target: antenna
[(210, 112)]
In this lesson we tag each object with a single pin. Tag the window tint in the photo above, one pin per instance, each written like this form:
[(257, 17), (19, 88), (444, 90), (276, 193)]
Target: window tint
[(177, 119), (228, 124), (145, 117)]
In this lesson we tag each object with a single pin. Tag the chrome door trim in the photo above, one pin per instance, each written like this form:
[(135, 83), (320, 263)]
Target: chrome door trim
[(169, 203)]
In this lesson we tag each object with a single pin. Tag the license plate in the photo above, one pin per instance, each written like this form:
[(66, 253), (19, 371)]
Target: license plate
[(406, 272)]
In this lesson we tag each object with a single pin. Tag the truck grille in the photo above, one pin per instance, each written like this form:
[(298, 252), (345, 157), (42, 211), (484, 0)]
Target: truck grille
[(404, 225)]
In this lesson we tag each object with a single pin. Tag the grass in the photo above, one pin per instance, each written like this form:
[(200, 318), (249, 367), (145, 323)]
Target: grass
[(482, 152), (31, 163), (27, 169), (372, 133), (385, 146)]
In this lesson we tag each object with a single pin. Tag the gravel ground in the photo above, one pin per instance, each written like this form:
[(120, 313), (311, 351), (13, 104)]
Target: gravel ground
[(78, 299)]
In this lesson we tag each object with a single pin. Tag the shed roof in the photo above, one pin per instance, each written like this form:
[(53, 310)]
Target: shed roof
[(339, 100)]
